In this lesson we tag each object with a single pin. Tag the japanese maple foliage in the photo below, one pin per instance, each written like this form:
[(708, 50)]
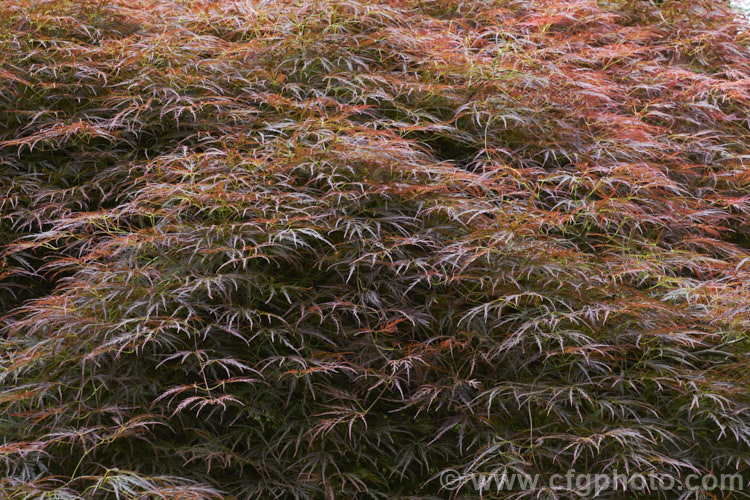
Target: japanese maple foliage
[(334, 248)]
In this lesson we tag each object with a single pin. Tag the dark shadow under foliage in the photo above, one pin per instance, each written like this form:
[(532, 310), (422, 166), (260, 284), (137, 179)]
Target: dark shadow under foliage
[(331, 249)]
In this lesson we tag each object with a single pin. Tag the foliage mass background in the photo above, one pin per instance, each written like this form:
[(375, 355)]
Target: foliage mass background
[(332, 248)]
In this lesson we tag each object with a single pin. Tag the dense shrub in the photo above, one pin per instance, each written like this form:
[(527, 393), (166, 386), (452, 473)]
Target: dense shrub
[(330, 249)]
